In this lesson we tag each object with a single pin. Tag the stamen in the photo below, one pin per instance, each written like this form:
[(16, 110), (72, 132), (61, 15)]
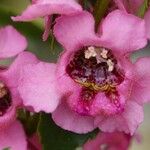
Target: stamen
[(90, 52), (110, 65), (96, 70)]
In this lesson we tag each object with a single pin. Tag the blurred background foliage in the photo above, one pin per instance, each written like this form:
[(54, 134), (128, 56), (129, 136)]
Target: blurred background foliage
[(43, 50)]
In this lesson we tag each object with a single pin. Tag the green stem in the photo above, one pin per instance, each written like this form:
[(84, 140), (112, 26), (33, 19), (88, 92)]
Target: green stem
[(52, 45), (100, 9)]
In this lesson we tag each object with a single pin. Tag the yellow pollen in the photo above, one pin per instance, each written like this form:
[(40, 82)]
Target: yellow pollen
[(108, 87)]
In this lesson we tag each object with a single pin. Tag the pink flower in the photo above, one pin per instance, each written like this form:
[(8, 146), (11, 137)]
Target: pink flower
[(11, 131), (109, 141), (46, 8), (132, 6), (13, 137), (94, 84)]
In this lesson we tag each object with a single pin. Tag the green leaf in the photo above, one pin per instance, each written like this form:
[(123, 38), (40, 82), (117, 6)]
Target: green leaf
[(55, 138), (143, 8)]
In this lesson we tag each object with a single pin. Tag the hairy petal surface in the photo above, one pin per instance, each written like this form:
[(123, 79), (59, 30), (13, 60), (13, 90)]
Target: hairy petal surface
[(37, 87)]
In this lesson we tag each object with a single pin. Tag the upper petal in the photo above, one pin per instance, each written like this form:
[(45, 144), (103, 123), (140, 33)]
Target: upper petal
[(147, 23), (141, 86), (128, 121), (41, 8), (11, 42), (123, 32), (13, 137), (37, 87), (70, 120), (72, 31)]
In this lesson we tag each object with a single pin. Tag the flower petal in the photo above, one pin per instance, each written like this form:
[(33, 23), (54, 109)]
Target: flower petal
[(147, 21), (69, 120), (13, 137), (11, 42), (63, 79), (128, 121), (113, 141), (141, 87), (37, 87), (41, 8), (123, 32), (7, 119), (11, 75), (72, 30)]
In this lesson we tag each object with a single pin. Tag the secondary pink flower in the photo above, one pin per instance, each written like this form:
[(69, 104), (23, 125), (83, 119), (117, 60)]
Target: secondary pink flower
[(11, 43), (94, 78), (8, 39), (109, 141), (46, 8), (11, 132), (13, 137)]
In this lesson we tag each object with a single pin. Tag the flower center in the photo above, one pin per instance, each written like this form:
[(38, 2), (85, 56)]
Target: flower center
[(5, 99), (96, 69)]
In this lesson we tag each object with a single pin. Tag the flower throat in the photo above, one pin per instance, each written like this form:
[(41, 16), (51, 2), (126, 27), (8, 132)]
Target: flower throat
[(95, 69)]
